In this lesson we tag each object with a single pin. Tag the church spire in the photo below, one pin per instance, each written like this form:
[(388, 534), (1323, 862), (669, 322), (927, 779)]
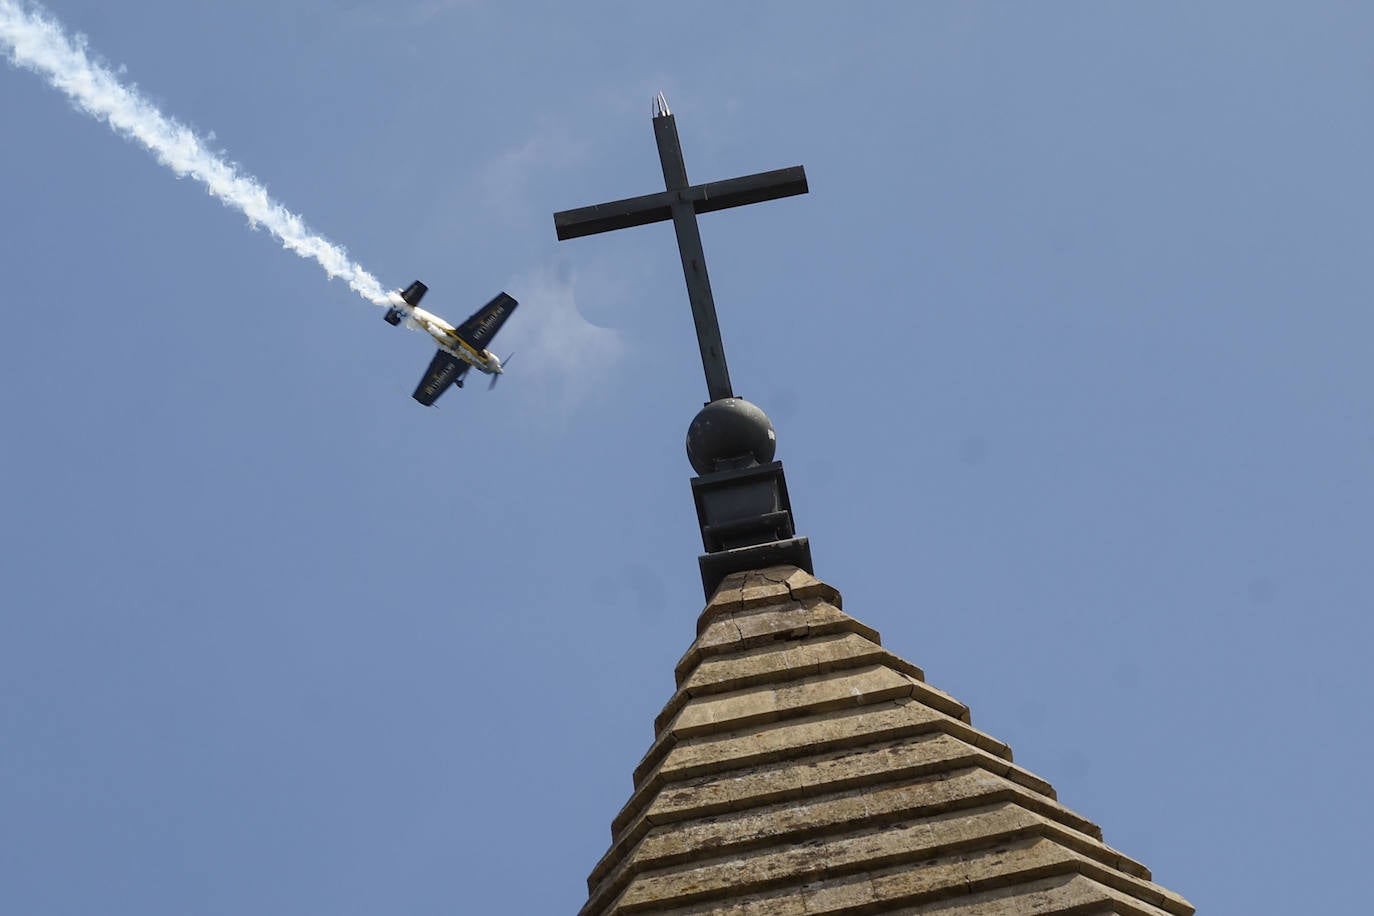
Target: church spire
[(800, 767)]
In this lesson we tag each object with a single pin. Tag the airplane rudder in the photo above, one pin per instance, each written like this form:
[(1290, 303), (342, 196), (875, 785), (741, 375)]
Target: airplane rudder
[(414, 293)]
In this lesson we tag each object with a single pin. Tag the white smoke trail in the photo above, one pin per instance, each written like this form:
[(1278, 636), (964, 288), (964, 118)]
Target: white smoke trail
[(38, 43)]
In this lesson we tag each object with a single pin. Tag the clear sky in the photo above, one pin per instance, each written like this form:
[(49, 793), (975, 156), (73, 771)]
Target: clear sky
[(1068, 351)]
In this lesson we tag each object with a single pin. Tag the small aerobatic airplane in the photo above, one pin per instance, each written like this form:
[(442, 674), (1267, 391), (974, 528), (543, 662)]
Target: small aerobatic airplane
[(461, 348)]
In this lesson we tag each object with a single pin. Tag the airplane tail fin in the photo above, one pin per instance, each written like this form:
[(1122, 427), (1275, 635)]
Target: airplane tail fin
[(412, 295)]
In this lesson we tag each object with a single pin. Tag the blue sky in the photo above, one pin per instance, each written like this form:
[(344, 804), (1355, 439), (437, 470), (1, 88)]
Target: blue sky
[(1068, 351)]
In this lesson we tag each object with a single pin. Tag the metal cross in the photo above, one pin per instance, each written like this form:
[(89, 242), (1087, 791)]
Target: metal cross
[(681, 203)]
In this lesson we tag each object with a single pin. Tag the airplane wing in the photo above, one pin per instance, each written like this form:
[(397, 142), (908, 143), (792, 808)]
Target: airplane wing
[(444, 370), (486, 321)]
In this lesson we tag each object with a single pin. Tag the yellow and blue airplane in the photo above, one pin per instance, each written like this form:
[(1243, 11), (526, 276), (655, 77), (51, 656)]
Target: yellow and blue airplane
[(461, 348)]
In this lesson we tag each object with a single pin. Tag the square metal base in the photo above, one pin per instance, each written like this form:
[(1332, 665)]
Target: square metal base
[(716, 566)]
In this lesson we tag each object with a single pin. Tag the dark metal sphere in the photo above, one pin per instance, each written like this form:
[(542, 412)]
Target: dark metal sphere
[(730, 431)]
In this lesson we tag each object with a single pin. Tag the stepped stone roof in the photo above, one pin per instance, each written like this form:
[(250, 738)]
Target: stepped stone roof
[(801, 768)]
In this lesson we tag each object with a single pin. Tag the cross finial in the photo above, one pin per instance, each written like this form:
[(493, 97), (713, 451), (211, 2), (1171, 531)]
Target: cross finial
[(681, 203), (741, 496)]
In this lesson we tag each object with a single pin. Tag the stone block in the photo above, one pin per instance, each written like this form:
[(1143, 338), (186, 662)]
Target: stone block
[(1070, 895), (738, 590), (870, 769), (746, 629), (783, 661)]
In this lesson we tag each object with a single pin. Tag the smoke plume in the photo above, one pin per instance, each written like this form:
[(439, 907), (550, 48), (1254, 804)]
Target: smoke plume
[(33, 40)]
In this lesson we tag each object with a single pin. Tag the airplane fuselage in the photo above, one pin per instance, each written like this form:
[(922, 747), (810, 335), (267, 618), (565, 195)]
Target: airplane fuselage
[(446, 336)]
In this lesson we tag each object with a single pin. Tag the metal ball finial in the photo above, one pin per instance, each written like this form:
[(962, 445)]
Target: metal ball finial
[(730, 433)]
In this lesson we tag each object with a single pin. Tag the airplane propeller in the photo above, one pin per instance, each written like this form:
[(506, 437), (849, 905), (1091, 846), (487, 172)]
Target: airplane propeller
[(504, 363)]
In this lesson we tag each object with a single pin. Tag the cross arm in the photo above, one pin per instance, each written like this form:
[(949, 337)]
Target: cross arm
[(751, 189), (705, 198), (618, 214)]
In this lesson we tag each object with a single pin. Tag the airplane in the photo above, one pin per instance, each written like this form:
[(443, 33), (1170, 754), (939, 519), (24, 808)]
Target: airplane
[(461, 348)]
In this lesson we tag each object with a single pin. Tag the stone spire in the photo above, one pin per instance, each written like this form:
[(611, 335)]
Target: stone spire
[(801, 768)]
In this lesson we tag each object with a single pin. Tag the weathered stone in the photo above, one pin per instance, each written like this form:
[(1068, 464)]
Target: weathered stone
[(1072, 895), (789, 660), (763, 585), (870, 770), (746, 629), (767, 703), (802, 769), (862, 809), (1059, 895), (838, 813), (882, 721), (778, 662), (906, 759), (820, 859)]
